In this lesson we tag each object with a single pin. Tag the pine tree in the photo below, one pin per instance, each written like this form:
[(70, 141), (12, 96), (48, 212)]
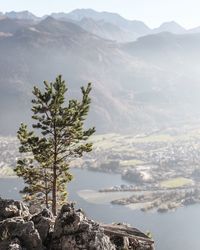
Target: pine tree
[(59, 137)]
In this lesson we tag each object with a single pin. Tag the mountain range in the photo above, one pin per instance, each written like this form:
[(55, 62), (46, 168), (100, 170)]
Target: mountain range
[(107, 25), (144, 80)]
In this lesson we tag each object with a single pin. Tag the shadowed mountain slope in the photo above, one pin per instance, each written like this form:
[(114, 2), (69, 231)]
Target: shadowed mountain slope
[(137, 86)]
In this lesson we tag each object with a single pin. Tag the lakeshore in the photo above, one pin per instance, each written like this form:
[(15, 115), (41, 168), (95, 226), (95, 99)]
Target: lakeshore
[(161, 201), (170, 230)]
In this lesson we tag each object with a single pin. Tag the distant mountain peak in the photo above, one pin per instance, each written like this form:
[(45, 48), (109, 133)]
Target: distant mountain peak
[(170, 26), (21, 15), (136, 27)]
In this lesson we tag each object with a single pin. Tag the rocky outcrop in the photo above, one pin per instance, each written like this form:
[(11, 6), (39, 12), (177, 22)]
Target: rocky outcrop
[(11, 208), (44, 223), (24, 231), (71, 230), (74, 231)]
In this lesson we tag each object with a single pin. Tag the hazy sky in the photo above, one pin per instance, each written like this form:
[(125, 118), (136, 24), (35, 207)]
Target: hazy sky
[(152, 12)]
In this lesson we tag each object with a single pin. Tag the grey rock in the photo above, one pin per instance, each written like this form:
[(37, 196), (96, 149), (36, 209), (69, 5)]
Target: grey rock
[(34, 209), (11, 208), (120, 242), (71, 230), (74, 231), (15, 245), (24, 231), (43, 223)]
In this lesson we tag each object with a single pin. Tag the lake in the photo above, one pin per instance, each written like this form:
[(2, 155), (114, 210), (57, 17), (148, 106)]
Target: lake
[(177, 230)]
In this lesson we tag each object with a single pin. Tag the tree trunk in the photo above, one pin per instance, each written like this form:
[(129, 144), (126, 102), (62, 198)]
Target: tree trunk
[(54, 192), (46, 200), (46, 190), (54, 188)]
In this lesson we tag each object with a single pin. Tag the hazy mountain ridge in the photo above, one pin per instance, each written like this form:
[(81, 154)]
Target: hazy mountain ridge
[(107, 25), (134, 85), (135, 26), (107, 30), (25, 15), (40, 51), (8, 25), (172, 27)]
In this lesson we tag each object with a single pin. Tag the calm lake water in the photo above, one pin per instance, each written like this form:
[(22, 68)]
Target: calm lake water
[(177, 230)]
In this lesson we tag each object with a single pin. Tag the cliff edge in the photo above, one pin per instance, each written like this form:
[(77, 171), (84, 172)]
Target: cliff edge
[(70, 230)]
